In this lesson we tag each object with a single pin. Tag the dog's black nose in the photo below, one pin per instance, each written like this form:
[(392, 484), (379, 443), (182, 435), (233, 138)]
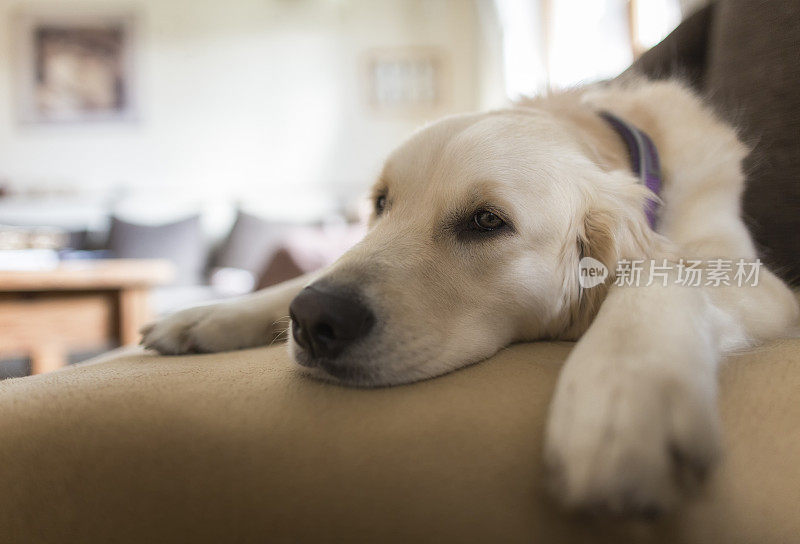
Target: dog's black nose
[(327, 319)]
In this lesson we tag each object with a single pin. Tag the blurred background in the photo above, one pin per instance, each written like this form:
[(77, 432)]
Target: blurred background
[(161, 153)]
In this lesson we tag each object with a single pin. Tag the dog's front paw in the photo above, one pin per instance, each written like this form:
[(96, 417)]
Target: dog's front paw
[(210, 329), (628, 440)]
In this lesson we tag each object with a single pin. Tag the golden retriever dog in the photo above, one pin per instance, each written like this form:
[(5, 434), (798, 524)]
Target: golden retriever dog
[(480, 225)]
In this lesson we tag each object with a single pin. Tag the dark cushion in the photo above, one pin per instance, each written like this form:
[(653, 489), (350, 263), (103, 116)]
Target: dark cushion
[(250, 244), (181, 242), (744, 55), (282, 267), (78, 239)]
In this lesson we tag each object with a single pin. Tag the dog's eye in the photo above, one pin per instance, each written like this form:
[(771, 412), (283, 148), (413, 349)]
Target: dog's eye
[(486, 220), (380, 204)]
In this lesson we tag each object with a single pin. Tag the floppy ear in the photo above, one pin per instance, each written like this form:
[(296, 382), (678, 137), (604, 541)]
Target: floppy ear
[(611, 227), (595, 237)]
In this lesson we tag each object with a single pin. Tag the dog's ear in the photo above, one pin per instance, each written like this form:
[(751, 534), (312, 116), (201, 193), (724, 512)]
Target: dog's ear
[(614, 225), (595, 236), (611, 227)]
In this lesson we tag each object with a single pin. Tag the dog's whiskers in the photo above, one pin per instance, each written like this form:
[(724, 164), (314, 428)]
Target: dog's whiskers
[(282, 327)]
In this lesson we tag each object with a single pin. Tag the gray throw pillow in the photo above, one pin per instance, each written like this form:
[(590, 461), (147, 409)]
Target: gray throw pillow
[(180, 242), (250, 244)]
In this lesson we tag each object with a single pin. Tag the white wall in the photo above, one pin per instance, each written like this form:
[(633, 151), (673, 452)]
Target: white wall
[(258, 100)]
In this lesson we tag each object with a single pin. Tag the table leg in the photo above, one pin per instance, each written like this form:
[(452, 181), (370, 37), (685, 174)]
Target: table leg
[(134, 313), (46, 358)]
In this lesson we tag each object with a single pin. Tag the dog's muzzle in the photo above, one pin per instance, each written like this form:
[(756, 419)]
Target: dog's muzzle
[(326, 320)]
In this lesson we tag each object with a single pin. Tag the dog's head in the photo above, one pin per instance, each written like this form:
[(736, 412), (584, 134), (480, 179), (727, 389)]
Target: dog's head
[(478, 226)]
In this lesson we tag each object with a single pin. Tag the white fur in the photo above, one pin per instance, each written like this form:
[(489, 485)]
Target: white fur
[(633, 420)]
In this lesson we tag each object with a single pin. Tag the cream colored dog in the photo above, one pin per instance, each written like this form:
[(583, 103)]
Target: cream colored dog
[(479, 224)]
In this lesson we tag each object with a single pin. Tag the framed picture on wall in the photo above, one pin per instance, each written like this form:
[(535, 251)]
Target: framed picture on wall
[(406, 80), (75, 66)]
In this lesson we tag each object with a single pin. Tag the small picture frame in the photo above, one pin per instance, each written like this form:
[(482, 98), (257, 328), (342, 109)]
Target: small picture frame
[(405, 80), (75, 66)]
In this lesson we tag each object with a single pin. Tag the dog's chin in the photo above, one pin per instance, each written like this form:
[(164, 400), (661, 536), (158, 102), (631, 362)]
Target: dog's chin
[(347, 372), (340, 372), (362, 369)]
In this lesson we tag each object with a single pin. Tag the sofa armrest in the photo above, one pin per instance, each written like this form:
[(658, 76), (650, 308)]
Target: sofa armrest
[(241, 447)]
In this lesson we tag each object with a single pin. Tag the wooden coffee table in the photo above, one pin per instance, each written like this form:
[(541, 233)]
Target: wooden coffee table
[(80, 305)]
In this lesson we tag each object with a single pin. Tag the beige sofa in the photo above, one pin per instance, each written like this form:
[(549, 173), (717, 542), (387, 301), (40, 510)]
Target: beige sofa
[(240, 447)]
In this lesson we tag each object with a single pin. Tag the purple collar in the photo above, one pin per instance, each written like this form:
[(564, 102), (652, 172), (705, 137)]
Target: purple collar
[(644, 160)]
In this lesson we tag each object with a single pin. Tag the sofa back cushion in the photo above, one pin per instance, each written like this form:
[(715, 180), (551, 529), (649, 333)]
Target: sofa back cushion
[(250, 244), (743, 56), (180, 242)]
